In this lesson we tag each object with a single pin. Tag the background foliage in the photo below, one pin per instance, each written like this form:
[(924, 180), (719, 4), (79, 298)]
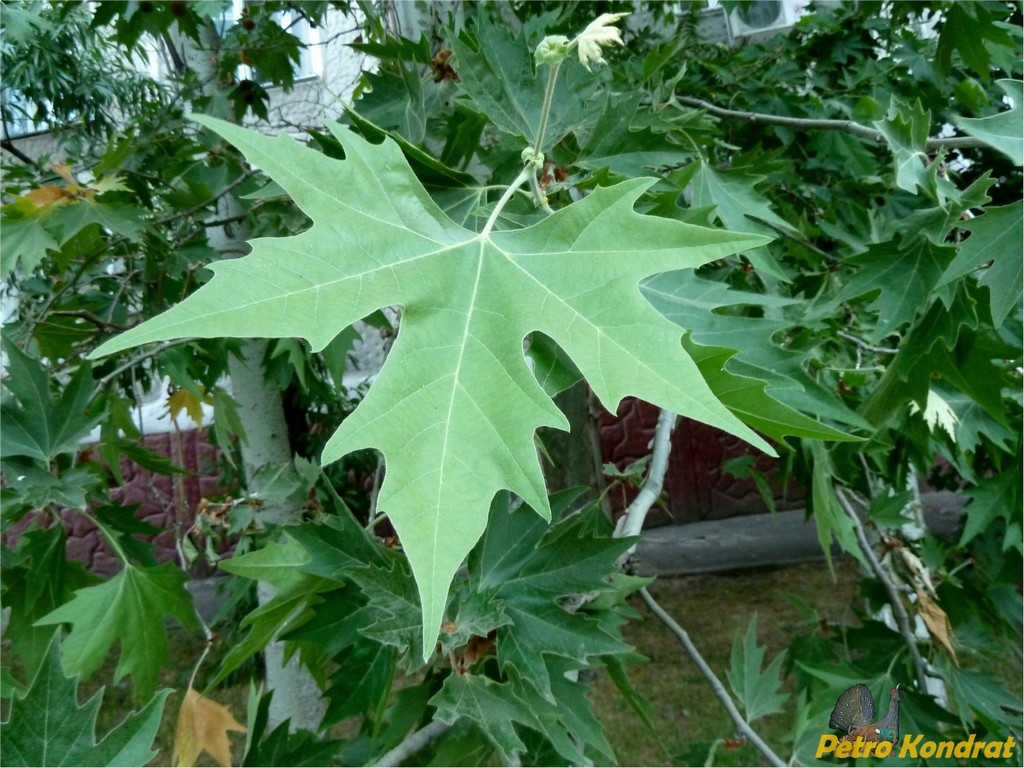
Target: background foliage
[(887, 308)]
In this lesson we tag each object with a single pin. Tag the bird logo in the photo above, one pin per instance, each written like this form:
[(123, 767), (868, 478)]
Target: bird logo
[(855, 709)]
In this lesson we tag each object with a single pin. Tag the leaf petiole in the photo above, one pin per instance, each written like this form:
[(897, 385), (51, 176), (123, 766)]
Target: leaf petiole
[(521, 179)]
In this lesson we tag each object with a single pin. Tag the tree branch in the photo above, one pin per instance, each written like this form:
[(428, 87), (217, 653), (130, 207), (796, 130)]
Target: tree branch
[(213, 199), (716, 685), (91, 317), (413, 743), (8, 145), (632, 521), (899, 611), (812, 124), (132, 362), (864, 345)]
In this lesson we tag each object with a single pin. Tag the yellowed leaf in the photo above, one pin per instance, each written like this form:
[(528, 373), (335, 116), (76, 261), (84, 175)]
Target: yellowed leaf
[(46, 195), (203, 724), (64, 171), (937, 622), (183, 400)]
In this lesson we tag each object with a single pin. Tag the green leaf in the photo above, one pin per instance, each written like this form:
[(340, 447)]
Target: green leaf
[(37, 578), (966, 28), (68, 220), (32, 485), (455, 407), (995, 237), (431, 172), (888, 511), (568, 723), (47, 727), (983, 693), (696, 305), (1002, 131), (635, 700), (749, 400), (492, 706), (129, 609), (396, 101), (495, 68), (991, 499), (528, 568), (740, 207), (903, 275), (757, 690), (281, 747), (279, 564), (37, 426), (629, 151), (363, 677), (25, 240), (829, 516), (392, 593), (905, 130)]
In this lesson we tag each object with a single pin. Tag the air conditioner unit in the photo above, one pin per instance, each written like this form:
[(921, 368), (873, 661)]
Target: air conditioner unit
[(762, 18)]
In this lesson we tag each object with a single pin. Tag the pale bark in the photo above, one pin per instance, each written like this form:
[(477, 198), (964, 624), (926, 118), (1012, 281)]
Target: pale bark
[(261, 413)]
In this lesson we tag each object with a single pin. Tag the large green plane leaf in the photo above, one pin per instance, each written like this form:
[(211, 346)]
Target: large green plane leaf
[(455, 408)]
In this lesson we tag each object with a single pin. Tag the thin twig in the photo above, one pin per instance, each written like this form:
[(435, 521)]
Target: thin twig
[(789, 234), (806, 123), (378, 476), (131, 363), (716, 685), (413, 743), (213, 199), (92, 317), (865, 346), (632, 521), (899, 611)]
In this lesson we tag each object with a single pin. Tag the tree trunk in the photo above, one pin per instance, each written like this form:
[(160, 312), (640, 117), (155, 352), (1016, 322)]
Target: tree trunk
[(261, 412), (295, 692)]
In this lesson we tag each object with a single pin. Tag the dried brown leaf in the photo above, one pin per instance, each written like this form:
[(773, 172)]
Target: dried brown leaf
[(203, 724), (937, 622)]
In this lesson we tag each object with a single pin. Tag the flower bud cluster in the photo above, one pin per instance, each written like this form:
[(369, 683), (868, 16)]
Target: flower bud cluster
[(554, 49)]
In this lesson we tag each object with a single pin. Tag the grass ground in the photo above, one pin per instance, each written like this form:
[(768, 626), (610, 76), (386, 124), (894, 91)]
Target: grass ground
[(713, 609)]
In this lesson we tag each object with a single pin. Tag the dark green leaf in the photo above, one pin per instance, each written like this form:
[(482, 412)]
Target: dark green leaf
[(995, 248), (903, 276), (363, 677), (492, 706), (39, 427), (829, 517), (47, 727), (529, 568), (992, 499), (740, 207), (278, 564), (614, 143)]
